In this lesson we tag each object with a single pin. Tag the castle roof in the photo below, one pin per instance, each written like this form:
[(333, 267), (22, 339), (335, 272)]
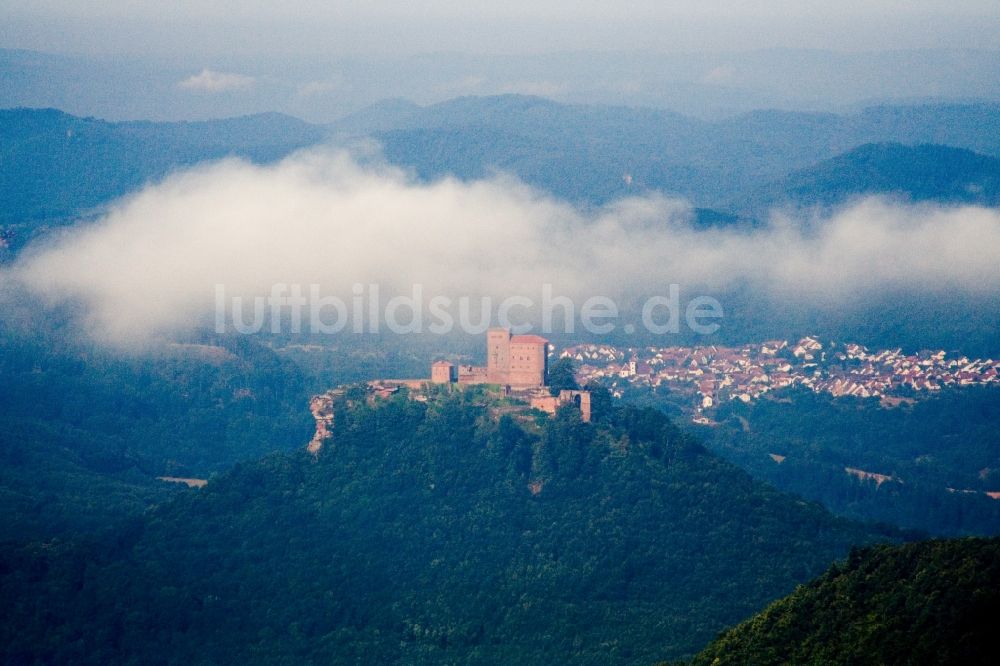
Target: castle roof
[(529, 340)]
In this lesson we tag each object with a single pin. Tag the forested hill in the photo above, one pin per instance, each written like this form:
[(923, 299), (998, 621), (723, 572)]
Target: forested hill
[(925, 172), (933, 602), (595, 154), (937, 454), (428, 533), (54, 165), (85, 432)]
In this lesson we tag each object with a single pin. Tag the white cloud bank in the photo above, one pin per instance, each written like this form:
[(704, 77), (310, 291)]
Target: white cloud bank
[(212, 82), (151, 265)]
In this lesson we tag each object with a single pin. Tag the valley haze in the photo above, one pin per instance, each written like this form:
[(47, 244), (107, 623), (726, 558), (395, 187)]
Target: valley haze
[(150, 266)]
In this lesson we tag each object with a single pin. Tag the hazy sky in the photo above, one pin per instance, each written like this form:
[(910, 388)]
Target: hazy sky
[(303, 27)]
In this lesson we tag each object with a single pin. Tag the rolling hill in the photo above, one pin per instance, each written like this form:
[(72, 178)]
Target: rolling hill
[(924, 172), (932, 602), (940, 453), (84, 432), (54, 166), (584, 153), (429, 532)]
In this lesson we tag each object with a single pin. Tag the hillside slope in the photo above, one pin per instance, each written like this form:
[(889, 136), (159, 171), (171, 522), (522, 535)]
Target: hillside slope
[(933, 602), (941, 455), (594, 154), (924, 172), (54, 165), (429, 533), (84, 433)]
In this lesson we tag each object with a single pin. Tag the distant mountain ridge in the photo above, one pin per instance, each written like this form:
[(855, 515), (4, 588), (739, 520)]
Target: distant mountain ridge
[(700, 84), (593, 154), (924, 172), (55, 166)]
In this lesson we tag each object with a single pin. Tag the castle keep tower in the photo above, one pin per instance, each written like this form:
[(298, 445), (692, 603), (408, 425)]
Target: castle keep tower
[(497, 355), (518, 361), (528, 361)]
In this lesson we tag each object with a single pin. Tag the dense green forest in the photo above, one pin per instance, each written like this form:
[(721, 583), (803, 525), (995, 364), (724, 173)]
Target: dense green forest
[(933, 602), (84, 432), (431, 532), (942, 441)]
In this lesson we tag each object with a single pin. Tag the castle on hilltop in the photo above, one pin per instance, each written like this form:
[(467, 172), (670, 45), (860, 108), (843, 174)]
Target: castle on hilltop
[(517, 361)]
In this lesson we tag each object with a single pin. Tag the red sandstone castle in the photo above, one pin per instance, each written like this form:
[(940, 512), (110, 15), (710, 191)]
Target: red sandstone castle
[(517, 361)]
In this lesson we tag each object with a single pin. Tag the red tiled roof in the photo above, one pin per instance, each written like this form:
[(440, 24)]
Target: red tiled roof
[(529, 339)]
